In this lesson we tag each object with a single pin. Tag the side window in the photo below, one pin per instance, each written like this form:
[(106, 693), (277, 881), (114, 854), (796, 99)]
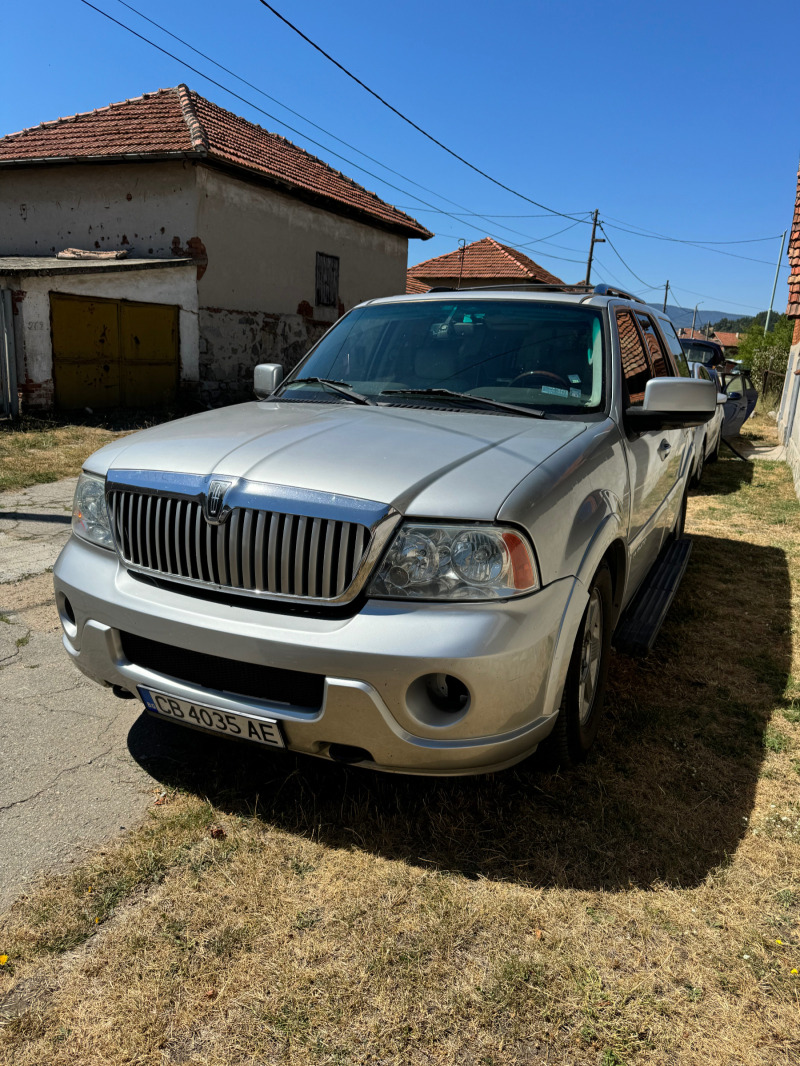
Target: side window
[(660, 362), (635, 364), (675, 347), (703, 373)]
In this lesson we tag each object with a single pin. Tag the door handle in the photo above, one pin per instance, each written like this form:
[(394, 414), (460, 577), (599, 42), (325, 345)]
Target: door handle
[(664, 449)]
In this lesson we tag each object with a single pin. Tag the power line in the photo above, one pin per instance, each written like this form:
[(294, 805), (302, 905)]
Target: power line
[(285, 124), (327, 132), (719, 299), (405, 118), (693, 244), (629, 269), (679, 240)]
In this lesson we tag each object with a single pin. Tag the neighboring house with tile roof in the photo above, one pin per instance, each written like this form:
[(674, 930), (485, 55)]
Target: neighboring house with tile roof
[(256, 246), (729, 341), (484, 262)]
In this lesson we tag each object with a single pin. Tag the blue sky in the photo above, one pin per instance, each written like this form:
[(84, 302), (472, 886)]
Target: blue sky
[(681, 119)]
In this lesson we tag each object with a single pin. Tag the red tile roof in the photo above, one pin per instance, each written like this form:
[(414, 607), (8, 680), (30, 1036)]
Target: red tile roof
[(485, 260), (179, 122), (414, 285), (686, 333), (727, 340), (793, 309)]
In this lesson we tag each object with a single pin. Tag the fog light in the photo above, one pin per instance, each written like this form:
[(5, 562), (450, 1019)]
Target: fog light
[(447, 692), (67, 616), (438, 699)]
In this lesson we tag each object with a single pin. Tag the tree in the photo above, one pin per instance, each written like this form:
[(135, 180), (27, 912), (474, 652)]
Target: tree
[(767, 353)]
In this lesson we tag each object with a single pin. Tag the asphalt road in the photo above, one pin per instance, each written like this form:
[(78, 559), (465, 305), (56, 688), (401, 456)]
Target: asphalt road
[(67, 780)]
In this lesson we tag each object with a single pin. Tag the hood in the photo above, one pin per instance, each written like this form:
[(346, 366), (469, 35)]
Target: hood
[(429, 463)]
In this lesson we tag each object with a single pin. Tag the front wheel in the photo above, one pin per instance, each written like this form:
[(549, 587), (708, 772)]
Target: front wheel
[(582, 703), (700, 463)]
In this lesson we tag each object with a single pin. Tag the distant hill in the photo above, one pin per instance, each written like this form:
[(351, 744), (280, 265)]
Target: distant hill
[(683, 317)]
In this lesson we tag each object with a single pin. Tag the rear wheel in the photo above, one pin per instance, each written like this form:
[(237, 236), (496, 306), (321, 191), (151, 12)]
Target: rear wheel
[(582, 703)]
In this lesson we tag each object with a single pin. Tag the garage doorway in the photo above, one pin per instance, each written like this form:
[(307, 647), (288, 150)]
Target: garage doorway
[(113, 353)]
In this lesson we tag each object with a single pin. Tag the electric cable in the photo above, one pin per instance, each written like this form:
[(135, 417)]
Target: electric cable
[(285, 124), (616, 253), (405, 118), (328, 133)]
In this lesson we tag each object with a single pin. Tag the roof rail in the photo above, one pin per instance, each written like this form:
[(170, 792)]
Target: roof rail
[(610, 290), (540, 286)]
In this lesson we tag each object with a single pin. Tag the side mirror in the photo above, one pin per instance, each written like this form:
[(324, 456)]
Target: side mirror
[(734, 396), (266, 378), (673, 403)]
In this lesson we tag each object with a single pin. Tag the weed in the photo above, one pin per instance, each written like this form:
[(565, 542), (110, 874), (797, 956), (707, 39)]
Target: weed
[(775, 741)]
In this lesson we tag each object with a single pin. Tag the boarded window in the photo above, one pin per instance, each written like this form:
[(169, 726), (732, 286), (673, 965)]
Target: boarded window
[(327, 280), (635, 364)]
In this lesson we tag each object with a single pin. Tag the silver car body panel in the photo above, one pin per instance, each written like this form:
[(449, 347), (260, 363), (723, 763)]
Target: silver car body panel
[(579, 488)]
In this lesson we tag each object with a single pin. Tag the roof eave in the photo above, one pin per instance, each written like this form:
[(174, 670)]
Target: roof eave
[(105, 157)]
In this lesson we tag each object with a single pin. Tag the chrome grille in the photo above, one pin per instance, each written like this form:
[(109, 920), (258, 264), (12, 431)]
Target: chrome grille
[(257, 551)]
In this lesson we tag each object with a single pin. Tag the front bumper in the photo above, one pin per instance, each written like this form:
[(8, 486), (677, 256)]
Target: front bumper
[(512, 657)]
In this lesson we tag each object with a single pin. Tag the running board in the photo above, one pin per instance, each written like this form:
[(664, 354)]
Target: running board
[(643, 619)]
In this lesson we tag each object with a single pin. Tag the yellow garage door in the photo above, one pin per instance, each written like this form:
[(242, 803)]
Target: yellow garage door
[(113, 353)]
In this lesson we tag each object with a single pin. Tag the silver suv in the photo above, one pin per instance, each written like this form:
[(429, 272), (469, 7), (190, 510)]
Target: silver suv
[(412, 553)]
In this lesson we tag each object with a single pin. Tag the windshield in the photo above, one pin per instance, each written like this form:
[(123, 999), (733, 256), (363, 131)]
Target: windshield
[(525, 353)]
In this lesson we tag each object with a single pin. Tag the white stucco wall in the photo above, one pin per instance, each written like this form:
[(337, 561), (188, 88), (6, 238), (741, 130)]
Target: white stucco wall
[(141, 207), (789, 415), (176, 286), (262, 247)]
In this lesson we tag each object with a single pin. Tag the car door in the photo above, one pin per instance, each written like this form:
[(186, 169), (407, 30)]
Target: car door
[(735, 410), (654, 456), (751, 392)]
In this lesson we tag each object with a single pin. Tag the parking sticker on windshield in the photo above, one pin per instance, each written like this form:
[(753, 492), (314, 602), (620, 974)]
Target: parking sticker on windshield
[(552, 391)]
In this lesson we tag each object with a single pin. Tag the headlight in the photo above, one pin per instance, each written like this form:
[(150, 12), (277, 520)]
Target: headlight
[(89, 513), (455, 562)]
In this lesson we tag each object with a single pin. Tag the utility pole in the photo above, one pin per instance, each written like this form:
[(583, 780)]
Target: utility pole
[(666, 294), (595, 240), (462, 244), (775, 284), (694, 316)]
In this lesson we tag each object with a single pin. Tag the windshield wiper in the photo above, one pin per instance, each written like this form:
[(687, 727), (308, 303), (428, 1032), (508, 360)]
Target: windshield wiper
[(532, 412), (338, 386)]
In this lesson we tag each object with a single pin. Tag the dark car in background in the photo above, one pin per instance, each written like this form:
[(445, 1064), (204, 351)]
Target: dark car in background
[(708, 353)]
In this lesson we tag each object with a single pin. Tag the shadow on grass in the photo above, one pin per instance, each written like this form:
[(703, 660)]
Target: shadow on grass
[(727, 475), (665, 796)]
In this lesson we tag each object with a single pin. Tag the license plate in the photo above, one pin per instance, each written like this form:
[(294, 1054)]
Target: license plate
[(260, 730)]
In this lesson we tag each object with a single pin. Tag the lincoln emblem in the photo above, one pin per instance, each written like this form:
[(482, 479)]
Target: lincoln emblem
[(215, 499)]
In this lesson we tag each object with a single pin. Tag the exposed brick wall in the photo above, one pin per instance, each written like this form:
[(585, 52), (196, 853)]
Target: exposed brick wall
[(233, 342), (796, 334), (793, 309), (35, 395)]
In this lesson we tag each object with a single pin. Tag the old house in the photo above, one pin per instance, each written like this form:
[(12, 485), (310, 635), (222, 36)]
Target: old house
[(239, 247), (484, 262)]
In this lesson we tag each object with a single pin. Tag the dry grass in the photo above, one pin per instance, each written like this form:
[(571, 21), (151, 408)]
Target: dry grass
[(644, 909), (38, 450)]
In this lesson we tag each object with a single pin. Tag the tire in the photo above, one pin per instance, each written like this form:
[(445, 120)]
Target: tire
[(701, 459), (584, 692)]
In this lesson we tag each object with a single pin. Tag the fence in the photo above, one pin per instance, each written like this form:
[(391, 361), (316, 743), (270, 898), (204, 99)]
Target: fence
[(9, 398)]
